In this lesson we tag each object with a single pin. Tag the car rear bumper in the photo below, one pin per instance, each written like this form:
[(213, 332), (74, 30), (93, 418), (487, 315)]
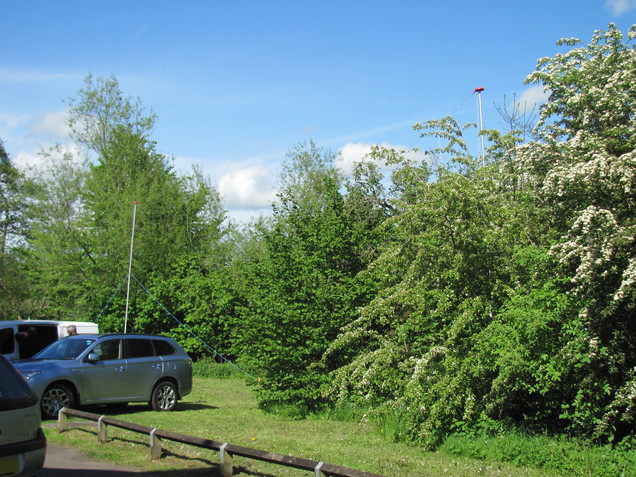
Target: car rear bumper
[(23, 459)]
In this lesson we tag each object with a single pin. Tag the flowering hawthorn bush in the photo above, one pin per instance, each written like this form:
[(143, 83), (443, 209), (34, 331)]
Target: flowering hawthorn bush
[(509, 289)]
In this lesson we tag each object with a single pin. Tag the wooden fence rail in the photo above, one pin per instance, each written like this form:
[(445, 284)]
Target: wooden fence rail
[(227, 451)]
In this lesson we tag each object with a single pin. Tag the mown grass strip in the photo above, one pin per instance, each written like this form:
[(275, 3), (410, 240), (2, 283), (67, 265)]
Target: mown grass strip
[(225, 410)]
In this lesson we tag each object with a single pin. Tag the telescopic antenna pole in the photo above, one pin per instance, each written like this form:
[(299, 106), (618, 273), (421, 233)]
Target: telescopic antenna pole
[(481, 126), (132, 241)]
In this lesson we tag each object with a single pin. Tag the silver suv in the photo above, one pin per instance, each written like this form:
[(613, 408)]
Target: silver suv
[(22, 443), (108, 369)]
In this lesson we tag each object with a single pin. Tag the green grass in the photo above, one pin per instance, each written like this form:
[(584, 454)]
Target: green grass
[(225, 410), (568, 456)]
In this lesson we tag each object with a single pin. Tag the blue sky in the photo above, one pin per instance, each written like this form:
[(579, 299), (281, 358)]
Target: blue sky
[(237, 84)]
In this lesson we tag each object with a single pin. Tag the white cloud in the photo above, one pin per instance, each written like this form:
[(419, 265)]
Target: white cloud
[(25, 160), (10, 121), (618, 7), (353, 152), (12, 75), (370, 132), (532, 97), (24, 134), (51, 125), (244, 216), (36, 162), (185, 164), (247, 187)]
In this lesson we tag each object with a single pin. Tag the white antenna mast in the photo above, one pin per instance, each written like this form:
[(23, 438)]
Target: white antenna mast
[(132, 240), (481, 126)]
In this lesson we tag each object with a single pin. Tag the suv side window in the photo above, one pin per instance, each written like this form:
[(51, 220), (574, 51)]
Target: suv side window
[(163, 348), (139, 348), (108, 349)]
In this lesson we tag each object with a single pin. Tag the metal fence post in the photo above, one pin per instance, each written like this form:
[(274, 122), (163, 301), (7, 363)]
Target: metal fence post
[(317, 471)]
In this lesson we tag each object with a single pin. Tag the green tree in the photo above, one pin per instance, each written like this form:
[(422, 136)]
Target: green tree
[(59, 254), (82, 231), (303, 288), (176, 217), (14, 201), (100, 108), (9, 206)]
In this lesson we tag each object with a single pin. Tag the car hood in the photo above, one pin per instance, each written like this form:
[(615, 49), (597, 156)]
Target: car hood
[(28, 360), (44, 364)]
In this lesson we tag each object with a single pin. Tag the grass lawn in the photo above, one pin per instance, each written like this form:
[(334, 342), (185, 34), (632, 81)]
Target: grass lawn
[(225, 410)]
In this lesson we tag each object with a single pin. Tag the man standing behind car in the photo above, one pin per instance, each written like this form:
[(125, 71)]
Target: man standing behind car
[(71, 330)]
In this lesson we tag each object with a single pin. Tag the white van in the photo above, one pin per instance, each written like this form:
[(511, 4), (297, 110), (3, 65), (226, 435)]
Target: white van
[(20, 339)]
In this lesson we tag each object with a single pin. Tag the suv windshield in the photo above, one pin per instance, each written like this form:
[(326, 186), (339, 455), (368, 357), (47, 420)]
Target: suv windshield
[(65, 349)]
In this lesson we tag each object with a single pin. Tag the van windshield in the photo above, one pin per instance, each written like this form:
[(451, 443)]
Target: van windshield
[(65, 349)]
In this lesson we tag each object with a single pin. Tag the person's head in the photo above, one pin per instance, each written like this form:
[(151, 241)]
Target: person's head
[(71, 330)]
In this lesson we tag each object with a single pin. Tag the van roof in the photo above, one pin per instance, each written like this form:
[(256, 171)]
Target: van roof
[(44, 322)]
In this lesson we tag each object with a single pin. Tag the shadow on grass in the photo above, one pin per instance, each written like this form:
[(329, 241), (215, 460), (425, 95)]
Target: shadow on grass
[(124, 473), (210, 469), (209, 472), (194, 406), (124, 409)]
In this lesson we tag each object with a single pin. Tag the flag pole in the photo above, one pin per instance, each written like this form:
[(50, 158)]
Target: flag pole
[(481, 126), (132, 240)]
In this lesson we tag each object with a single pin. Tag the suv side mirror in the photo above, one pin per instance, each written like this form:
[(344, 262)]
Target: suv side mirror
[(93, 357)]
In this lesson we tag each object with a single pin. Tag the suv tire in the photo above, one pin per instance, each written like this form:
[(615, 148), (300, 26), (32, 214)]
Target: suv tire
[(164, 396), (55, 398)]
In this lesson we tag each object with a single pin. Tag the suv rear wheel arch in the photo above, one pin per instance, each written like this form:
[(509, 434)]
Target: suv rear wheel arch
[(56, 396), (165, 395)]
